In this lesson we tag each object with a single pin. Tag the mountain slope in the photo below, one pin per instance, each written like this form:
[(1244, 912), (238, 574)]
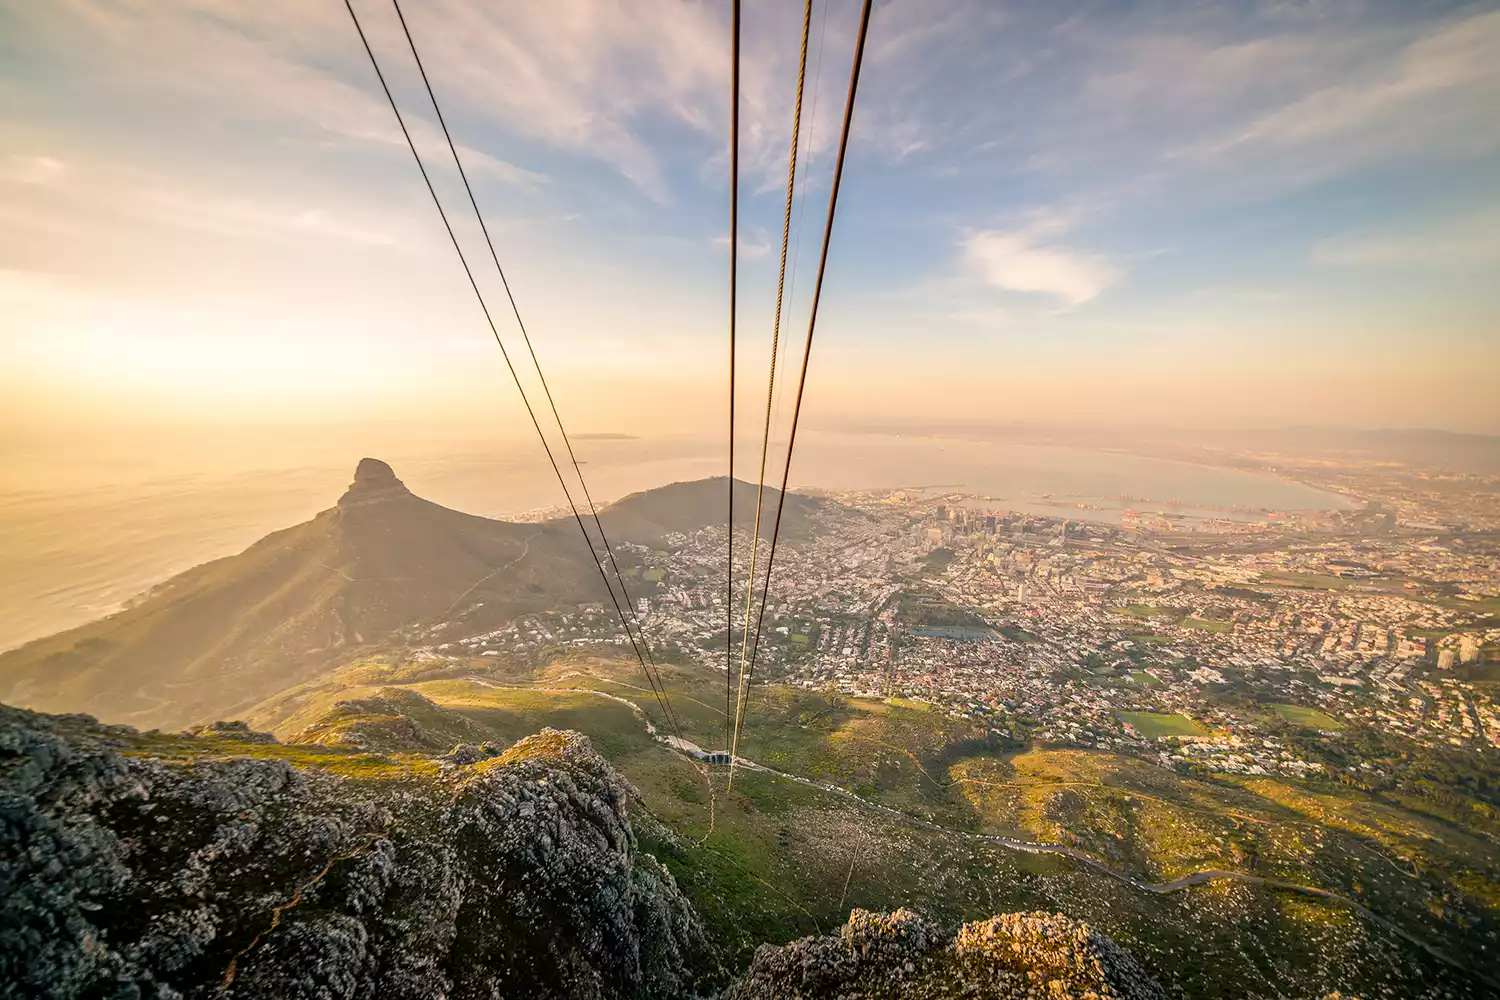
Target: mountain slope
[(232, 631), (223, 636)]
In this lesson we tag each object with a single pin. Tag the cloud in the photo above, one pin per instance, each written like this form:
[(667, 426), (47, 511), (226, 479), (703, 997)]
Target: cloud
[(1024, 261), (1468, 241), (278, 61), (754, 242), (84, 197), (1431, 95), (33, 170), (242, 217)]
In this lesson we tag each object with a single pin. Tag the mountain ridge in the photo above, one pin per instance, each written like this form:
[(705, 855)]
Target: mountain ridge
[(224, 635)]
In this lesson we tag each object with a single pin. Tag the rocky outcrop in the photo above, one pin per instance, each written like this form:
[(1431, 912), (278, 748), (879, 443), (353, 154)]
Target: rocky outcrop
[(126, 870), (1017, 956), (390, 721), (216, 864), (236, 730), (374, 482)]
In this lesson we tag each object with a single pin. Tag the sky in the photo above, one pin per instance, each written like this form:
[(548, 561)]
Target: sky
[(1200, 214)]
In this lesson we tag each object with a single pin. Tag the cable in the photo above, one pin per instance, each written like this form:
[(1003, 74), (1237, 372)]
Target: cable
[(525, 336), (734, 249), (810, 156), (765, 440), (812, 321), (468, 272)]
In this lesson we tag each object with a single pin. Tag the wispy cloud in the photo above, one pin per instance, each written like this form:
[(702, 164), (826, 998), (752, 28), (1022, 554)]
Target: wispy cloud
[(1435, 95), (32, 169), (277, 61), (1467, 241), (1029, 260), (81, 196), (754, 242)]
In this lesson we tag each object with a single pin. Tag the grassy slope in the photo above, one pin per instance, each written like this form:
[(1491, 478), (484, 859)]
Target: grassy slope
[(771, 859)]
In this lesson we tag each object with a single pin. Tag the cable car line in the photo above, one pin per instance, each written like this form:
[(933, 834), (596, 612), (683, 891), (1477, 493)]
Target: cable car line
[(812, 321), (468, 272), (526, 337), (809, 156), (734, 248), (765, 440)]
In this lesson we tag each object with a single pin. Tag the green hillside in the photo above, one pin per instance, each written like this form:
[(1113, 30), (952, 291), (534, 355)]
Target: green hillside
[(775, 858)]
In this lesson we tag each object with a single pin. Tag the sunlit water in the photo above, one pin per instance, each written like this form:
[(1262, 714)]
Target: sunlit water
[(71, 553)]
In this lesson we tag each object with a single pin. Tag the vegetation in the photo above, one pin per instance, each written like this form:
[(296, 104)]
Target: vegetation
[(1154, 725), (1302, 716), (772, 860)]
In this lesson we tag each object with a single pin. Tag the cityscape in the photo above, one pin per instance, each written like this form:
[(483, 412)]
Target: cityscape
[(1189, 641)]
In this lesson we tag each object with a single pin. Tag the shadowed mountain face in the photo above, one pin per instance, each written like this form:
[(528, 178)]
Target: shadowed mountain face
[(224, 635)]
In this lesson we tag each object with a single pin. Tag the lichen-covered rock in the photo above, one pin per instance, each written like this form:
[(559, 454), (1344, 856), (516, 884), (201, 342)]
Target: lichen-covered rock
[(126, 875), (1016, 956), (390, 720), (238, 730)]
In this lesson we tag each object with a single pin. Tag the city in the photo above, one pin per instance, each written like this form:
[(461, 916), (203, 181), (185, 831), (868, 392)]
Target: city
[(1194, 642)]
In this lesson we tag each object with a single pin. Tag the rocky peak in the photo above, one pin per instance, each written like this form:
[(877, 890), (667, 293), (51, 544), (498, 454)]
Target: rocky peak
[(374, 482)]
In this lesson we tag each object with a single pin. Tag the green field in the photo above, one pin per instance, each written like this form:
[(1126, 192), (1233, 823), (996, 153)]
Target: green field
[(1150, 639), (1303, 716), (1143, 679), (1154, 725), (1206, 625)]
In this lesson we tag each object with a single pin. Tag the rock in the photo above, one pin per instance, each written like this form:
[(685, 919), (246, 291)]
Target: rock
[(238, 730), (374, 482), (390, 721), (1016, 956), (249, 878), (468, 753)]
